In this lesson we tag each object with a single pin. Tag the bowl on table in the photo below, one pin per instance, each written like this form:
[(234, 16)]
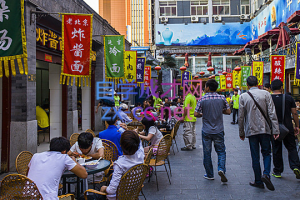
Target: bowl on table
[(91, 164)]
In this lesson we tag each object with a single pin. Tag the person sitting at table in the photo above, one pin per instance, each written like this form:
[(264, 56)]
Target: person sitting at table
[(87, 145), (112, 132), (137, 109), (46, 168), (122, 115), (133, 155), (168, 122)]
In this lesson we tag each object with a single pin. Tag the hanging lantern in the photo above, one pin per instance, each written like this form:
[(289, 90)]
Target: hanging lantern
[(183, 68), (201, 73), (237, 69), (196, 77), (210, 69), (224, 73), (157, 68), (213, 76)]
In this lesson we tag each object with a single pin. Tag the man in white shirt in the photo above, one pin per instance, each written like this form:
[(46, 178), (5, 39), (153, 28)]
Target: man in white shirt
[(88, 145), (46, 169)]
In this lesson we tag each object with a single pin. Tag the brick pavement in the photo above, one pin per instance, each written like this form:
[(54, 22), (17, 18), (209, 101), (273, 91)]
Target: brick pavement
[(188, 182)]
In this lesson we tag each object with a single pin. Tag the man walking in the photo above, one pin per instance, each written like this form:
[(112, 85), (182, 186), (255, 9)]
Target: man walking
[(256, 111), (289, 140), (235, 101), (212, 106)]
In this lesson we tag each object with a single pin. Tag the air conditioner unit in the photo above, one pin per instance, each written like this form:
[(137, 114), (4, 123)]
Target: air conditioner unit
[(268, 1), (164, 19), (218, 18), (244, 17), (194, 19)]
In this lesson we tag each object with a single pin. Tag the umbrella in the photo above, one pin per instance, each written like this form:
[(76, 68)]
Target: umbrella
[(284, 38), (209, 60)]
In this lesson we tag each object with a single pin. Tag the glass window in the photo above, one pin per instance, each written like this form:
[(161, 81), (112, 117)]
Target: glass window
[(245, 7), (167, 8), (199, 7), (221, 7)]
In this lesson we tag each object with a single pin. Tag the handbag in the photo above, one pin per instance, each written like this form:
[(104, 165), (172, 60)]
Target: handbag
[(282, 128)]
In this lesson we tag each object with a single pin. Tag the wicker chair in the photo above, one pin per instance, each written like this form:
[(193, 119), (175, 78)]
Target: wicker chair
[(106, 125), (67, 197), (114, 149), (22, 162), (136, 125), (17, 186), (176, 128), (148, 157), (130, 185), (162, 156), (74, 138), (90, 131)]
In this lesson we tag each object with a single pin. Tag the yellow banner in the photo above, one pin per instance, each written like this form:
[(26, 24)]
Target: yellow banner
[(223, 82), (236, 79), (130, 66), (258, 71)]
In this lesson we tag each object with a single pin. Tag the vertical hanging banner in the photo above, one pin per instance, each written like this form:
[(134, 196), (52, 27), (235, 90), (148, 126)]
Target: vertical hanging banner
[(217, 78), (12, 37), (147, 76), (223, 82), (229, 81), (297, 65), (114, 47), (140, 69), (236, 78), (246, 72), (130, 66), (76, 48), (185, 76), (277, 68), (258, 71)]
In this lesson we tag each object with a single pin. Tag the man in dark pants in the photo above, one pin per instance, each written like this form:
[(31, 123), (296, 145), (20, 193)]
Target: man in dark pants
[(289, 140), (254, 126), (235, 101)]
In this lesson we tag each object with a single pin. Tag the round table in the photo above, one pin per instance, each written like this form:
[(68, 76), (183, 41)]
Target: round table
[(102, 166)]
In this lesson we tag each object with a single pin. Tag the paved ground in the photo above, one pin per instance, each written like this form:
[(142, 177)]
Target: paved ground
[(188, 182)]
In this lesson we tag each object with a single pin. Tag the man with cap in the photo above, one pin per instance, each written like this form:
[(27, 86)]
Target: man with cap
[(123, 116)]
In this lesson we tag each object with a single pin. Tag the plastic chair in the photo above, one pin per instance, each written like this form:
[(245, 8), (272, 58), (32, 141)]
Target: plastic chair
[(130, 184), (22, 161), (74, 138)]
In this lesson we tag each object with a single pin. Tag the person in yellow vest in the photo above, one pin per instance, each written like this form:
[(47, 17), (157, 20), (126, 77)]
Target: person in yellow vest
[(235, 101), (157, 102), (42, 118), (117, 101)]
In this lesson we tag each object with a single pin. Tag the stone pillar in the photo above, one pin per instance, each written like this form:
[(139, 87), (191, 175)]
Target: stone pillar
[(166, 79), (72, 115), (86, 108), (194, 65), (224, 63), (210, 11)]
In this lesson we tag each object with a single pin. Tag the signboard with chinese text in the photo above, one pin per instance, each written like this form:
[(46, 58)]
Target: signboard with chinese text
[(277, 68), (147, 76), (12, 37), (130, 66), (258, 71), (236, 78), (223, 82), (114, 46), (77, 48), (140, 69), (48, 38), (297, 65), (246, 72), (48, 58), (185, 76), (229, 81), (217, 78)]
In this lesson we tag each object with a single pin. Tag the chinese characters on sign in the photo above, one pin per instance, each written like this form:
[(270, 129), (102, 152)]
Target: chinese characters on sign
[(185, 76), (76, 42), (147, 76), (223, 82), (140, 70), (258, 71), (130, 66), (297, 65), (246, 72), (49, 39), (229, 81), (114, 57), (236, 78), (277, 67), (217, 78)]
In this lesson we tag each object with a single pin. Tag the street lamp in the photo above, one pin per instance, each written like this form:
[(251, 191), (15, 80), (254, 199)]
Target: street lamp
[(157, 68)]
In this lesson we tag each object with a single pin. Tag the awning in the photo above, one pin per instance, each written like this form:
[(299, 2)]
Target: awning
[(294, 18)]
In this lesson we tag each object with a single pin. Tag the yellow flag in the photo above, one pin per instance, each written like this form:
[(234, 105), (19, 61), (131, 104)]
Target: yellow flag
[(258, 71), (236, 78), (223, 82), (130, 66)]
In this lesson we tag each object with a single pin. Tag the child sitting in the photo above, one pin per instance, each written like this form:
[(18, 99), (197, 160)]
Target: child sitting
[(133, 154)]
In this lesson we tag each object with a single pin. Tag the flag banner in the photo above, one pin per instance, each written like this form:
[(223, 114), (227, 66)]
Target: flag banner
[(12, 37), (258, 71), (236, 78), (246, 72), (114, 47), (147, 76), (277, 68), (217, 78), (185, 76), (229, 81), (130, 66), (223, 82), (140, 69), (77, 30), (297, 65)]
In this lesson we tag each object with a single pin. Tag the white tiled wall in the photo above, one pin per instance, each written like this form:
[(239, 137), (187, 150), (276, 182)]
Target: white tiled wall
[(86, 108), (55, 101)]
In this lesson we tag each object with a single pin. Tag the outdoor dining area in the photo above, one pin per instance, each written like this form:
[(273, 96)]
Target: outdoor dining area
[(19, 186)]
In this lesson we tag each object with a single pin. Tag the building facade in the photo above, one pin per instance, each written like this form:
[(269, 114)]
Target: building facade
[(71, 109)]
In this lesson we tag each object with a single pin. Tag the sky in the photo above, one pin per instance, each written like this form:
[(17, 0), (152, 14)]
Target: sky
[(93, 4)]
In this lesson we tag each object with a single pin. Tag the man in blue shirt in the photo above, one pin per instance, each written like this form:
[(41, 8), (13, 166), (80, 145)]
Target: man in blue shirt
[(112, 132)]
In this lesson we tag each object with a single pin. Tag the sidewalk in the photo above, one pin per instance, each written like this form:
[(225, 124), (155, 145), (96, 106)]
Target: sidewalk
[(187, 170)]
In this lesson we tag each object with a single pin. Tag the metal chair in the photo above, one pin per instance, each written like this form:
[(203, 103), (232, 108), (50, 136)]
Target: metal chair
[(22, 161), (130, 184), (90, 131), (74, 138), (17, 186)]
